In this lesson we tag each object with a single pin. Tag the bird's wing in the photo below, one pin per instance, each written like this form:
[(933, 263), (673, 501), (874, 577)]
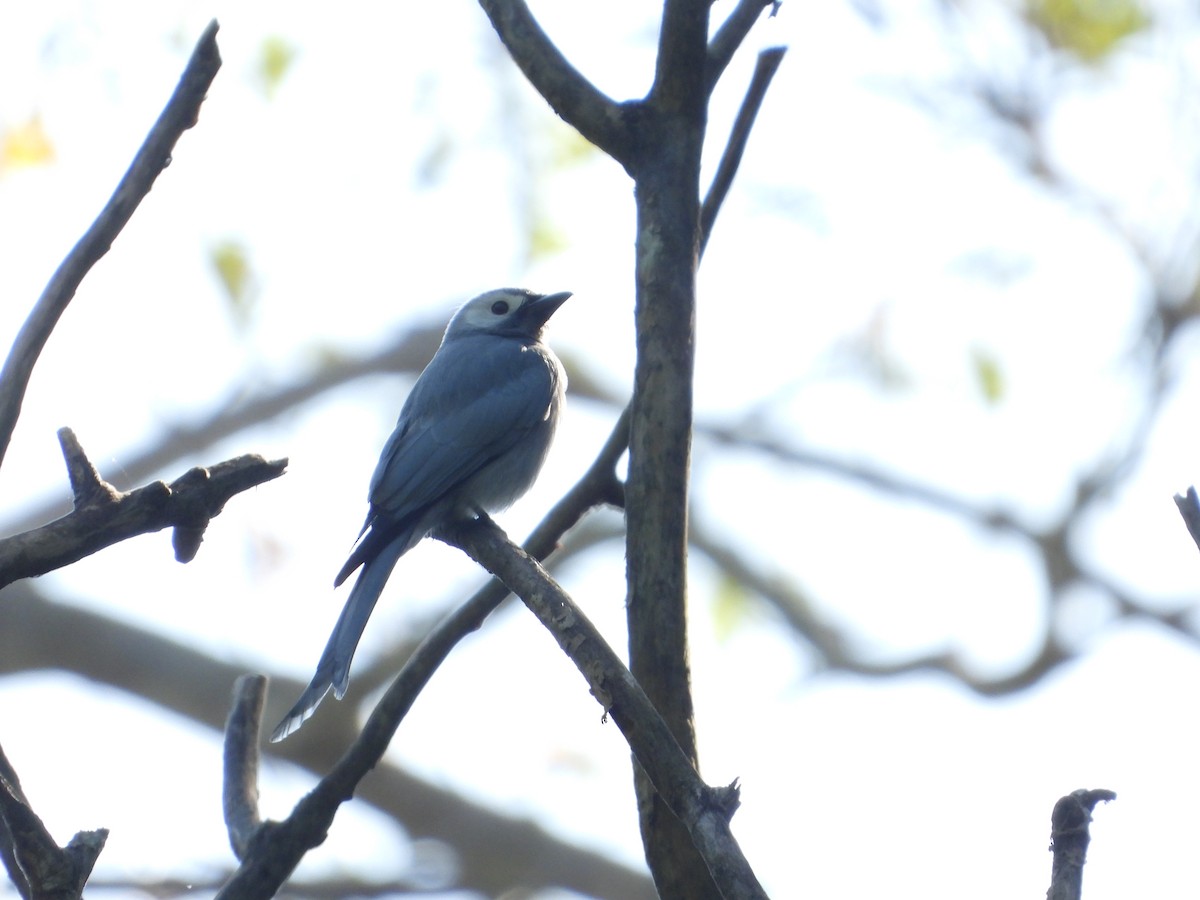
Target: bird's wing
[(454, 425)]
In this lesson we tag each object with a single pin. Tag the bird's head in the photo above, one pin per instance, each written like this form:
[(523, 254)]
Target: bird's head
[(512, 312)]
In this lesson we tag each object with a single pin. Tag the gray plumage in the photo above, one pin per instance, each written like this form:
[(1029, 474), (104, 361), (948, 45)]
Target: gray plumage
[(471, 437)]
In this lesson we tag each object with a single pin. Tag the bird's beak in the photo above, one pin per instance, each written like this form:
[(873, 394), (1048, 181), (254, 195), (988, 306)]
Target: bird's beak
[(541, 309)]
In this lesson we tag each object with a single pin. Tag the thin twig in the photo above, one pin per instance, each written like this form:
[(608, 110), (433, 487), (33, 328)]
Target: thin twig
[(735, 147), (180, 114), (730, 35)]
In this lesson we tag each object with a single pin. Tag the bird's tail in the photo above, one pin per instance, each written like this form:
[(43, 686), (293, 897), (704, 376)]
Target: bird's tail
[(333, 671)]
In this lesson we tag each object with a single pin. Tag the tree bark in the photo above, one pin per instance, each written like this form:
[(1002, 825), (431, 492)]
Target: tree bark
[(667, 178)]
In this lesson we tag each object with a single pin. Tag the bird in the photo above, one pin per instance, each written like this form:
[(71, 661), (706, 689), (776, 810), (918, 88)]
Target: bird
[(471, 438)]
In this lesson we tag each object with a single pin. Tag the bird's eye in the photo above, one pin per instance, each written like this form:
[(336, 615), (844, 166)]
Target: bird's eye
[(500, 307)]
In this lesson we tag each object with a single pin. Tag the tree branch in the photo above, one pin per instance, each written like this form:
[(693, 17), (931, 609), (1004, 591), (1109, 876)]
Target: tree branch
[(704, 811), (46, 871), (681, 61), (1189, 508), (180, 114), (730, 35), (667, 192), (240, 794), (104, 516), (1069, 838), (572, 97), (735, 147)]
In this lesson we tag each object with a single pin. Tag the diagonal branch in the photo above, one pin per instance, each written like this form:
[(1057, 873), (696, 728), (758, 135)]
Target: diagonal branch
[(703, 810), (731, 34), (572, 97), (735, 147), (180, 114)]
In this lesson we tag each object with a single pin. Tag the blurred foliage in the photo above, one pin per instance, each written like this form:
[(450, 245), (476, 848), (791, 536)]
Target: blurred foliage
[(231, 261), (1090, 29), (989, 376), (546, 238), (434, 161), (731, 605), (568, 147), (275, 58), (26, 145)]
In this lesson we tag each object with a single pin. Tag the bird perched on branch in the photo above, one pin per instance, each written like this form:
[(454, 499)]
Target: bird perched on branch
[(471, 438)]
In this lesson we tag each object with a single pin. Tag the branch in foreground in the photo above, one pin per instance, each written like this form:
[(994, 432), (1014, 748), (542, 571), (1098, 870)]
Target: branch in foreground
[(104, 516), (703, 810), (180, 114), (46, 871), (1069, 838)]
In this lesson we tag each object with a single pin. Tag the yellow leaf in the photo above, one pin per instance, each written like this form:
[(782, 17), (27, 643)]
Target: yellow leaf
[(232, 264), (731, 606), (26, 145), (1090, 29), (545, 239), (988, 375), (275, 58), (568, 147)]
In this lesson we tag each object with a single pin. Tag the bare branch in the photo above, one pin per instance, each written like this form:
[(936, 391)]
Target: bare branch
[(682, 60), (834, 648), (242, 730), (731, 34), (1189, 508), (735, 147), (9, 780), (1069, 839), (46, 871), (104, 516), (180, 114), (572, 97), (704, 811)]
